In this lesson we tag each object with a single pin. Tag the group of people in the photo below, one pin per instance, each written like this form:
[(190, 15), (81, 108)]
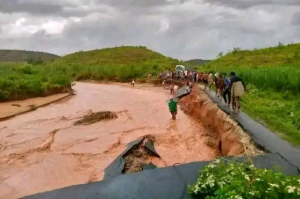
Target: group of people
[(229, 87)]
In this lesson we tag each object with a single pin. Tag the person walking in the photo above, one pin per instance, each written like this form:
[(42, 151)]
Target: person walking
[(173, 108), (205, 80), (210, 79), (227, 92), (132, 82), (199, 77), (220, 86), (237, 88), (196, 77), (172, 92)]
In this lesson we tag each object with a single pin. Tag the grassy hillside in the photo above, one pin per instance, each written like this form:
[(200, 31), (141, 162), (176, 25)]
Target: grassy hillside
[(23, 56), (119, 64), (198, 61), (272, 76)]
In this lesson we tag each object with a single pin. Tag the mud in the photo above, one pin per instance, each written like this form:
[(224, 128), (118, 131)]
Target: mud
[(91, 118), (226, 136), (43, 150), (138, 156)]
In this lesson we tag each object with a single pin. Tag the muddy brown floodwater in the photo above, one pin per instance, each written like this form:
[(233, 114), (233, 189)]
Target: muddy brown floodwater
[(43, 150)]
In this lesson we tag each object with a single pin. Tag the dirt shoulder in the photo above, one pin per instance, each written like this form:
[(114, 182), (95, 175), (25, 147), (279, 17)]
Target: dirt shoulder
[(14, 108)]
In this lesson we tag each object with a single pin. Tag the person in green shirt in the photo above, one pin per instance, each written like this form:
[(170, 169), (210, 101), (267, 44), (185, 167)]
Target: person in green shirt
[(173, 108)]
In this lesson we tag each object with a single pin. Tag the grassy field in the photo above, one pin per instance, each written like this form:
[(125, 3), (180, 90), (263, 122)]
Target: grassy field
[(112, 64), (272, 76)]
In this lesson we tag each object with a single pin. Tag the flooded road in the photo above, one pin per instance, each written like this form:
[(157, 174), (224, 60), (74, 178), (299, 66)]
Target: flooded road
[(43, 150)]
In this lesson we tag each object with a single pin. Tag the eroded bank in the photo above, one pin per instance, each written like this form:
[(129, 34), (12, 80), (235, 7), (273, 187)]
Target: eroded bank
[(225, 135)]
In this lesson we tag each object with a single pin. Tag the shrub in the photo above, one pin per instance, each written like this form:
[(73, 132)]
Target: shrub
[(243, 181)]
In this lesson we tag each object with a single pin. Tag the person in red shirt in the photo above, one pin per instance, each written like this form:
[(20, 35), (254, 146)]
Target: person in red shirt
[(199, 77)]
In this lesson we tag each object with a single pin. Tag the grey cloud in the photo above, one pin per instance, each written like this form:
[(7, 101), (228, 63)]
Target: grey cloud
[(244, 4), (296, 19), (63, 8), (196, 30), (133, 2), (16, 6)]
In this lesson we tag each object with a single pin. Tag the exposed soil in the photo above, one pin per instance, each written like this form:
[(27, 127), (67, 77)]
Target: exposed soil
[(226, 136), (91, 118), (137, 156)]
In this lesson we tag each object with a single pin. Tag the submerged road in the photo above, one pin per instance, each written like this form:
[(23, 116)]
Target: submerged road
[(43, 150)]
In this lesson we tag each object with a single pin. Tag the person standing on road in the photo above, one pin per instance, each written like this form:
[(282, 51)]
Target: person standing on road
[(210, 79), (227, 92), (220, 86), (172, 88), (132, 82), (173, 108), (237, 88), (205, 80), (196, 77)]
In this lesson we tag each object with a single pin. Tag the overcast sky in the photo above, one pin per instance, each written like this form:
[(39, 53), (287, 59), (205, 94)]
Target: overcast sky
[(183, 29)]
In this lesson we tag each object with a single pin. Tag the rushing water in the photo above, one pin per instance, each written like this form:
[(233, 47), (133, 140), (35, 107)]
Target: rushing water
[(43, 150)]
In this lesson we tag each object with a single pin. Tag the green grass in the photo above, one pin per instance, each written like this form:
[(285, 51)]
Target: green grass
[(112, 64), (118, 64), (272, 76), (19, 81)]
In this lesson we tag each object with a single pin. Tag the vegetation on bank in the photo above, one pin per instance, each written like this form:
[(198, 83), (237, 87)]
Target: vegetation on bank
[(273, 79), (19, 80), (243, 181), (24, 56)]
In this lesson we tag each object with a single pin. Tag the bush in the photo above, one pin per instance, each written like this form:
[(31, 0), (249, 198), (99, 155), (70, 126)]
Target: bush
[(243, 181)]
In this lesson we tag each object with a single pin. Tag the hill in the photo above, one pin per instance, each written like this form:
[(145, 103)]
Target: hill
[(272, 76), (280, 55), (197, 61), (118, 56), (119, 63), (22, 56)]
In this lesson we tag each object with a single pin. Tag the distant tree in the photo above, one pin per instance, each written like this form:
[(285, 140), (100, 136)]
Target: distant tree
[(280, 45), (30, 61), (220, 54), (39, 61), (236, 49)]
